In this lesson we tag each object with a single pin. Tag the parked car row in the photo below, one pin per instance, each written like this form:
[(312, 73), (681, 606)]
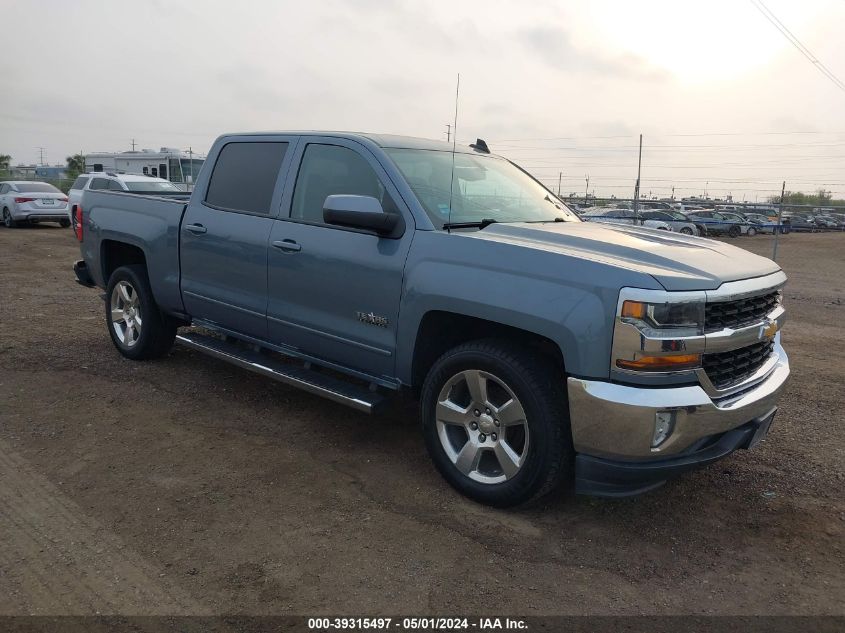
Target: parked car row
[(816, 222), (33, 202), (712, 222)]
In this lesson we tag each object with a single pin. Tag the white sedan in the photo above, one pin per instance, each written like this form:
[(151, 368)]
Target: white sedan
[(33, 202)]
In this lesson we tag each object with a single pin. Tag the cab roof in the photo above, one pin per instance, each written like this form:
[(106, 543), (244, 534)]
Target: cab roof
[(388, 141)]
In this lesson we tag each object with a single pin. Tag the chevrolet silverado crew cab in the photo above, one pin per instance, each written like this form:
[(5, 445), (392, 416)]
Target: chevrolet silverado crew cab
[(544, 350)]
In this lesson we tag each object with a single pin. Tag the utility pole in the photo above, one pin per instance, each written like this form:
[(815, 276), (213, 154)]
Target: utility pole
[(448, 132), (133, 144), (586, 189), (673, 192), (41, 160), (559, 178), (637, 187), (191, 164), (780, 224)]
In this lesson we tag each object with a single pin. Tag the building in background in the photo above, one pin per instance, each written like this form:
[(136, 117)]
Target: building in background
[(176, 165), (51, 172)]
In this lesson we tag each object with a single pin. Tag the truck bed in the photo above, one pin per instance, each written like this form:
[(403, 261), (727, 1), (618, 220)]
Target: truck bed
[(149, 222)]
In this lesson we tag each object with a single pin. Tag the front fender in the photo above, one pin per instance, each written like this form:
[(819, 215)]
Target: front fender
[(568, 300)]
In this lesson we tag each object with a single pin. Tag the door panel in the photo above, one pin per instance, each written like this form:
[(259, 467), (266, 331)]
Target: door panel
[(337, 297), (225, 230), (224, 268), (334, 293)]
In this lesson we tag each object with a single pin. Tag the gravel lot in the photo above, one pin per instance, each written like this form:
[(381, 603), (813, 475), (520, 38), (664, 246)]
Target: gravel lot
[(186, 486)]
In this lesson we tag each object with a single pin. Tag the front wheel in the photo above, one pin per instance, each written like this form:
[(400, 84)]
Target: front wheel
[(686, 230), (137, 327), (735, 231), (751, 231), (64, 223), (496, 424)]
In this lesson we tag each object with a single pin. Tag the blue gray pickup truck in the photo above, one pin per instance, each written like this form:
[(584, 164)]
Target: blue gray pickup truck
[(544, 350)]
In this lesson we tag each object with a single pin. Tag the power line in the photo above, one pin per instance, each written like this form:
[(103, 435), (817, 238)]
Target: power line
[(634, 136), (780, 26), (656, 147)]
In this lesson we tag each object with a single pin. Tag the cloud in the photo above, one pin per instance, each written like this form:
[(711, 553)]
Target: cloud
[(555, 48)]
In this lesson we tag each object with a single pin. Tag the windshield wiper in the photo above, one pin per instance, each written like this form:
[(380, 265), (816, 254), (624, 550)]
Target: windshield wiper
[(481, 224), (544, 221)]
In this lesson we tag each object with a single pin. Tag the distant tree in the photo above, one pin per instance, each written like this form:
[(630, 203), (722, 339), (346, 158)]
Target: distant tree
[(75, 164), (5, 161), (797, 199)]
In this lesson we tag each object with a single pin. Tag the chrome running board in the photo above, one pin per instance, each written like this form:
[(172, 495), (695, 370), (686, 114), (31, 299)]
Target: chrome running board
[(356, 396)]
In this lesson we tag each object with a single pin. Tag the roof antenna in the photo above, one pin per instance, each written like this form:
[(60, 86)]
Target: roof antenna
[(454, 141)]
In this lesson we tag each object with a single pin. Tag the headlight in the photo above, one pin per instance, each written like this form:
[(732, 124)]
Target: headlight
[(658, 336), (664, 315)]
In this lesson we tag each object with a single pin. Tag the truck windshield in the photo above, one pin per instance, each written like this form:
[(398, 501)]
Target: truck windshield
[(190, 169), (484, 189)]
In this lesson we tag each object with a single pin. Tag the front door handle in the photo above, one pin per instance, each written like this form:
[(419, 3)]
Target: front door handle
[(196, 229), (288, 246)]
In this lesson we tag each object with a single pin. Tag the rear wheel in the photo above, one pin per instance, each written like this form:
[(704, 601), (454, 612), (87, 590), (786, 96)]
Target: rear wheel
[(137, 327), (8, 221), (496, 423), (686, 230), (751, 231), (734, 231), (64, 223)]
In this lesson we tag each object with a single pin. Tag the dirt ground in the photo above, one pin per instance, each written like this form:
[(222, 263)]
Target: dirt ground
[(186, 486)]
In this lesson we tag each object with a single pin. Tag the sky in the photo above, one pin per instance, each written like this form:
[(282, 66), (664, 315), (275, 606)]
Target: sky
[(724, 102)]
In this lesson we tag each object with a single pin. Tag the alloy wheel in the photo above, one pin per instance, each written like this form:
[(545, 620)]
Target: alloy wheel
[(482, 426), (126, 318)]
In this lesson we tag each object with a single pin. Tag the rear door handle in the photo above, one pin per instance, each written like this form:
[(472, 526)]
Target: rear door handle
[(196, 229), (288, 245)]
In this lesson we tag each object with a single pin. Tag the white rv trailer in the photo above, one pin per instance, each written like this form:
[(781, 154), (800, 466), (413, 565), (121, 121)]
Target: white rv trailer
[(177, 166)]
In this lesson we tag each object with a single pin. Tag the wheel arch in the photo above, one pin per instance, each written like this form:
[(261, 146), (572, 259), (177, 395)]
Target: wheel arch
[(441, 330), (114, 254)]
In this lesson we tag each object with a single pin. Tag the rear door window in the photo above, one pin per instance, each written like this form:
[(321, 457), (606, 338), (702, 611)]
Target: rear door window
[(115, 186), (99, 183), (244, 177)]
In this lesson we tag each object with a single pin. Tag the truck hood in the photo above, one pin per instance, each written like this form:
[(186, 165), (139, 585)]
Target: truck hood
[(676, 261)]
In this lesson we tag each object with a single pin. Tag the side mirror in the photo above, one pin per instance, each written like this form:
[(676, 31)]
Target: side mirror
[(359, 212)]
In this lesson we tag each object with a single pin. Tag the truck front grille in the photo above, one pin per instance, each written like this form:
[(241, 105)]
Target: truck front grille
[(729, 368), (738, 313)]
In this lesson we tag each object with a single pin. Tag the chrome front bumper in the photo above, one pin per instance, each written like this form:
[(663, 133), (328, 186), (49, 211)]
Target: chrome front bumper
[(617, 421)]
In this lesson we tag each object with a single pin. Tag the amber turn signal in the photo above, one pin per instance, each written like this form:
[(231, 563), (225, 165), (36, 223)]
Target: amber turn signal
[(634, 309), (661, 363)]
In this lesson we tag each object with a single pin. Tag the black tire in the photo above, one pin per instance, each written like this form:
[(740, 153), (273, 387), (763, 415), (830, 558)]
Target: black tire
[(8, 221), (735, 231), (686, 230), (157, 330), (539, 386), (751, 231), (64, 223)]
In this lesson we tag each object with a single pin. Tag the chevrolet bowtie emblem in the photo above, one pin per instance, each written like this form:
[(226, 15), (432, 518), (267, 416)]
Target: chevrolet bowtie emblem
[(768, 330)]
